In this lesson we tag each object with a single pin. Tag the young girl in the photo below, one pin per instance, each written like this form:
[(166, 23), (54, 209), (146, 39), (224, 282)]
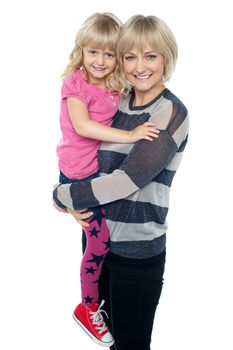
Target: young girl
[(90, 98)]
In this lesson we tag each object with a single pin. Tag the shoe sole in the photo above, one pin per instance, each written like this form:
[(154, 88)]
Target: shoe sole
[(97, 341)]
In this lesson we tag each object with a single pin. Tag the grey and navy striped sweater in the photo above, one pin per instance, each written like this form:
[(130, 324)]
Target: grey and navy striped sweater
[(136, 178)]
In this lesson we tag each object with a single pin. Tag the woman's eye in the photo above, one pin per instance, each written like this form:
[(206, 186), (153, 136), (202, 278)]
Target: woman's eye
[(92, 52), (151, 57), (129, 58)]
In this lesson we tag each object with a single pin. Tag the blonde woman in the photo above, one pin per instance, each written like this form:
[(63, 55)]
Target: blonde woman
[(90, 98), (136, 183)]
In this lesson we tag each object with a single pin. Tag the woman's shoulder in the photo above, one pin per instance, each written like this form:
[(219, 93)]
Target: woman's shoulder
[(124, 102), (166, 109), (176, 101)]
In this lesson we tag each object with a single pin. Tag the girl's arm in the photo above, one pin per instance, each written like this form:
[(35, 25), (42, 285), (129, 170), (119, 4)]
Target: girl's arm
[(88, 128)]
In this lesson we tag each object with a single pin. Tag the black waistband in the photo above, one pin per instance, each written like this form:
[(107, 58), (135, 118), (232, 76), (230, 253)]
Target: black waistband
[(114, 257)]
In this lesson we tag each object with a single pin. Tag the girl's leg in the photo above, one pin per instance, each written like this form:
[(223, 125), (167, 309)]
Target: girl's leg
[(95, 241), (135, 288), (97, 246), (88, 314)]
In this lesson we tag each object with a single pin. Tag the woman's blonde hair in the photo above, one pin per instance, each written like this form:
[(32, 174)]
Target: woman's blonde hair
[(100, 31), (140, 31)]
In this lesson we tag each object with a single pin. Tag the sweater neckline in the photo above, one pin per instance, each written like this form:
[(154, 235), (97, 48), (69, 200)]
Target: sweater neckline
[(138, 108)]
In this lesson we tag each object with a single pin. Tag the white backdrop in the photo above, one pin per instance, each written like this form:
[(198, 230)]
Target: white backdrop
[(40, 249)]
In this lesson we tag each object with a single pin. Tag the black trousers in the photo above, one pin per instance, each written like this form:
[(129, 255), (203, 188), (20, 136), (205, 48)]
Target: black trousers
[(131, 289)]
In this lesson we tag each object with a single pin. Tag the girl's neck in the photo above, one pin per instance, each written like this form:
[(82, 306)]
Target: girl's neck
[(100, 83)]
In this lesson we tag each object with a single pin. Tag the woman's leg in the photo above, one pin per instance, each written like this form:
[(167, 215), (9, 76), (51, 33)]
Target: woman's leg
[(104, 294), (135, 288)]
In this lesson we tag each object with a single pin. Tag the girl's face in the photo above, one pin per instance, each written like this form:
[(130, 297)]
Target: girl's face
[(98, 64), (144, 70)]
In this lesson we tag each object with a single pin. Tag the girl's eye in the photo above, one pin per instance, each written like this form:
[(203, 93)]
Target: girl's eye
[(109, 54), (92, 52)]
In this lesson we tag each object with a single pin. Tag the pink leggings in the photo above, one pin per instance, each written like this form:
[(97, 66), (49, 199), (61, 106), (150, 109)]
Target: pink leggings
[(97, 246)]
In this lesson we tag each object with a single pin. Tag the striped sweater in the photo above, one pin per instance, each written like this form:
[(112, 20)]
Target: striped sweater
[(135, 178)]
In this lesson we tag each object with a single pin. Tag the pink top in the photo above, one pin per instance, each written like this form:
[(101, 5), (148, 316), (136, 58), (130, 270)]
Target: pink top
[(78, 155)]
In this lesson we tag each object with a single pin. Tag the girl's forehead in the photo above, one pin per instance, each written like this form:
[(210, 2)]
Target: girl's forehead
[(98, 48), (100, 45)]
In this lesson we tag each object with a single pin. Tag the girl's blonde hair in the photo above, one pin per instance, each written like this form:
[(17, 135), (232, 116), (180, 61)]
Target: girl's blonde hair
[(140, 31), (100, 31)]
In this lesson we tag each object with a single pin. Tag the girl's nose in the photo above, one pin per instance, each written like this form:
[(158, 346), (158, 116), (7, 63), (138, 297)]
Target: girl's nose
[(100, 60)]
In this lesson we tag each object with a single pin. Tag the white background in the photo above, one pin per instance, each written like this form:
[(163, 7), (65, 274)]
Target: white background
[(40, 249)]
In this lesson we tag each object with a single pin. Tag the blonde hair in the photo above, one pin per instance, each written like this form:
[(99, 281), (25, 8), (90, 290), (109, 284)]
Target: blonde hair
[(100, 31), (140, 31)]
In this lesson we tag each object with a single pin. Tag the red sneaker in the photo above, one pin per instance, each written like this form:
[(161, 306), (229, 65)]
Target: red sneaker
[(92, 322)]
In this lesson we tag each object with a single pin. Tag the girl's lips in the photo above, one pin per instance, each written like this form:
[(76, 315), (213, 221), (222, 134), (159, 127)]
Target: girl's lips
[(99, 69)]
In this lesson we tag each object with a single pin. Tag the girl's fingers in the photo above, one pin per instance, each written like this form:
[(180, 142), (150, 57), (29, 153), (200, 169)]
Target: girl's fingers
[(157, 131), (153, 134), (149, 124), (148, 138)]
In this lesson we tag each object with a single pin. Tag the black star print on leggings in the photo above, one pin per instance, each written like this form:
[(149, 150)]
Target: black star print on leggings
[(97, 259)]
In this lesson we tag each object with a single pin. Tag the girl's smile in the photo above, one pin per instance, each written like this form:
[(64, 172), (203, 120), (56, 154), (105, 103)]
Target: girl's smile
[(98, 63)]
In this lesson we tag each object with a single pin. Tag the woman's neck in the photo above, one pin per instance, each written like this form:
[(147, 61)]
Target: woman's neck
[(142, 98)]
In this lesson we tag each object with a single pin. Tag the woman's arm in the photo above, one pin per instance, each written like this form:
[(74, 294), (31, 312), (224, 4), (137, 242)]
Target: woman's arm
[(144, 162), (89, 128)]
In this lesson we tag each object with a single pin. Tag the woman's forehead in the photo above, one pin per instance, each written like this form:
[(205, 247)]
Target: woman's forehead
[(146, 48)]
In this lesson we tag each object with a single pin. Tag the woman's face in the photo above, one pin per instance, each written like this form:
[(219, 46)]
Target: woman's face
[(144, 70)]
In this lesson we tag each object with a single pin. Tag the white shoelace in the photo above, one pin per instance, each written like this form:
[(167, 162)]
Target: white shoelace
[(98, 318)]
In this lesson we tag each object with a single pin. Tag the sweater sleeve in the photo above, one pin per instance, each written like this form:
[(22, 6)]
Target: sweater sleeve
[(144, 162)]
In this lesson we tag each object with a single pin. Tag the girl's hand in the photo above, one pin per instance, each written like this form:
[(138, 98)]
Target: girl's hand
[(146, 131), (80, 216)]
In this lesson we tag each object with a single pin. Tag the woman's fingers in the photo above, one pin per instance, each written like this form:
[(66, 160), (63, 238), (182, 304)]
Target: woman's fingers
[(58, 208), (80, 216)]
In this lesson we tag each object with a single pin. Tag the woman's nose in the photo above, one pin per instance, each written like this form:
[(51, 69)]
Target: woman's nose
[(140, 67)]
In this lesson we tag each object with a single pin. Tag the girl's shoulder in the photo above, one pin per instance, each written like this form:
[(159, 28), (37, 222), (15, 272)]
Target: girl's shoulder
[(76, 80), (75, 85)]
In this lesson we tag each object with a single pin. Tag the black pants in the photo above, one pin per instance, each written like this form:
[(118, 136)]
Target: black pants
[(131, 289)]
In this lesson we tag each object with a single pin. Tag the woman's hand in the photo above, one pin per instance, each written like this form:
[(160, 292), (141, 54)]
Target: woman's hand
[(80, 216), (55, 205), (59, 209)]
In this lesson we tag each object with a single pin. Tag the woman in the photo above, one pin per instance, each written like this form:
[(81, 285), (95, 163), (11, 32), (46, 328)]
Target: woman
[(136, 181)]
